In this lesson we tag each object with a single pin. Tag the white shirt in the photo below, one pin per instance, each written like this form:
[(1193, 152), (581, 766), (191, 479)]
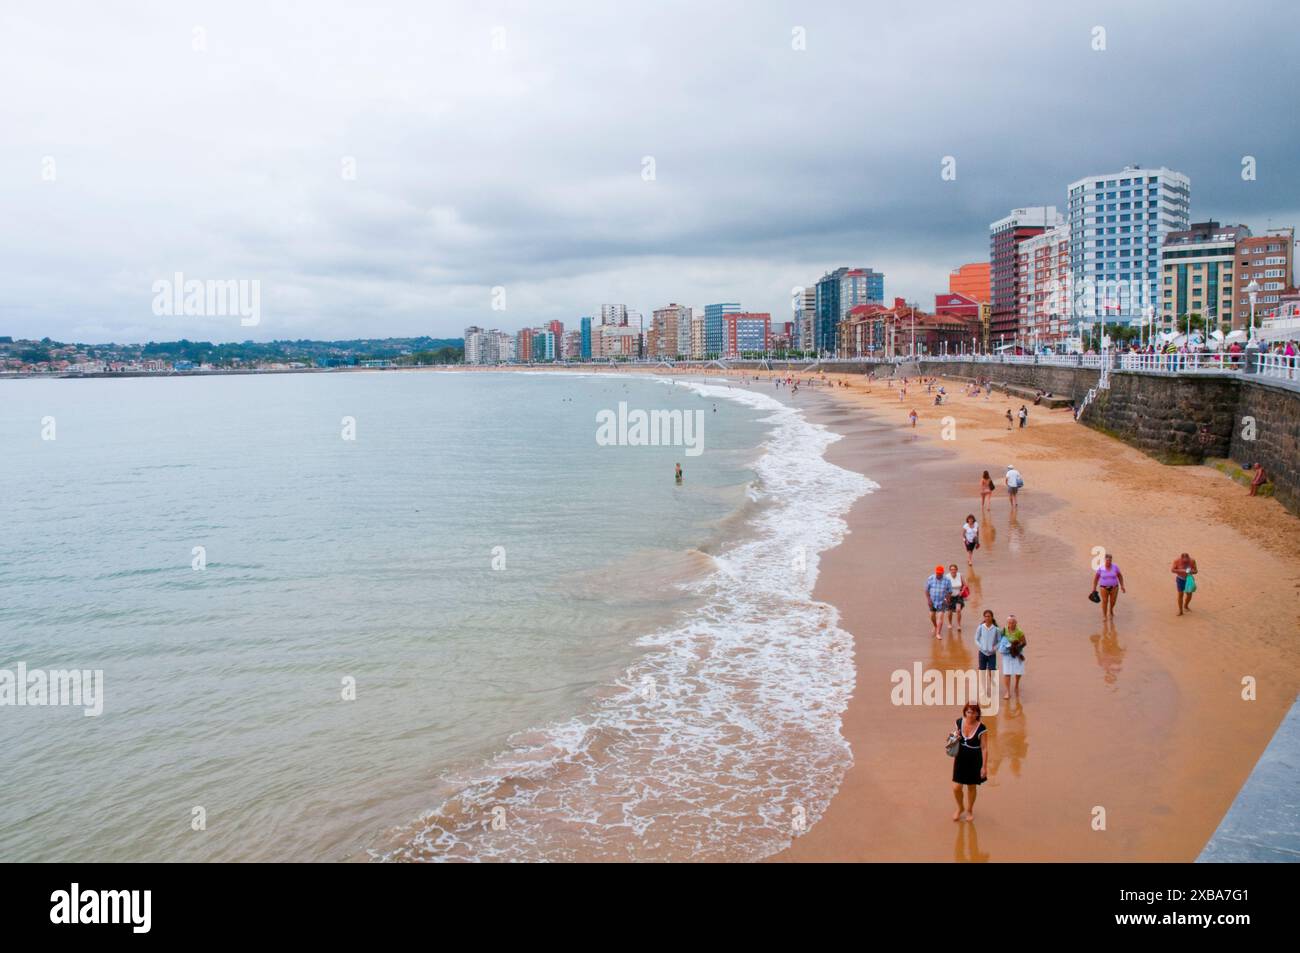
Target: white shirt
[(970, 532), (956, 583), (1014, 478)]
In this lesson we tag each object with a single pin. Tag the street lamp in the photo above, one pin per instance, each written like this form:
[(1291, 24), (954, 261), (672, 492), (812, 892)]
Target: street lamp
[(1252, 290)]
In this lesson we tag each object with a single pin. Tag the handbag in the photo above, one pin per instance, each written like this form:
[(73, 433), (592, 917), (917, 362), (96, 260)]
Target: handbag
[(1094, 596), (954, 743), (965, 591), (1190, 585)]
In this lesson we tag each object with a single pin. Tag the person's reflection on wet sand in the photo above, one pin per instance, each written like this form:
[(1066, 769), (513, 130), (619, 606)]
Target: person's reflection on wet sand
[(1109, 653), (1009, 739), (967, 849)]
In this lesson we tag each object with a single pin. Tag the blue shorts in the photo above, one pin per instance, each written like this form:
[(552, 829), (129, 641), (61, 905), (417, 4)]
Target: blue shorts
[(1181, 583), (988, 663)]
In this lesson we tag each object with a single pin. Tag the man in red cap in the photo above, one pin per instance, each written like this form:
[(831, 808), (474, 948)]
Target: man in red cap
[(938, 588)]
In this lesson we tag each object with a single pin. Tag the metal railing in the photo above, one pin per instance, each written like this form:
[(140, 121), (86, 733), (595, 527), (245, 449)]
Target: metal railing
[(1183, 363), (1279, 366)]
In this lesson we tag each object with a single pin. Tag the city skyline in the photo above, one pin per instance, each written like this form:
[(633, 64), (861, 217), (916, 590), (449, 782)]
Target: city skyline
[(401, 182)]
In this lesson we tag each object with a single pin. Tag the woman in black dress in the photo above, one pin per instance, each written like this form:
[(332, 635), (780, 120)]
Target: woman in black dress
[(971, 766)]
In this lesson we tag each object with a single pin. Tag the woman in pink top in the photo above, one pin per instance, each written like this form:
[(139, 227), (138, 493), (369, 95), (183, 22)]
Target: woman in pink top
[(1111, 582)]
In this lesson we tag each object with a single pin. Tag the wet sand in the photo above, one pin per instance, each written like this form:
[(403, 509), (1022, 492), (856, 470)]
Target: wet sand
[(1143, 720)]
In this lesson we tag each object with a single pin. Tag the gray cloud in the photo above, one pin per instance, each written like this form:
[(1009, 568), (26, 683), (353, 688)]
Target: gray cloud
[(522, 167)]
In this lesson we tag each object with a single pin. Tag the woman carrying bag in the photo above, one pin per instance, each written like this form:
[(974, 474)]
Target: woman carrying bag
[(968, 746)]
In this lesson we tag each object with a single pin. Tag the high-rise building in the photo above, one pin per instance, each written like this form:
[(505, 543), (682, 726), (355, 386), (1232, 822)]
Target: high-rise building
[(1005, 236), (1268, 260), (745, 331), (1043, 298), (671, 327), (1196, 274), (556, 328), (524, 345), (698, 336), (713, 314), (805, 316), (572, 348), (474, 339), (613, 314), (585, 324), (1118, 223), (971, 280), (836, 293)]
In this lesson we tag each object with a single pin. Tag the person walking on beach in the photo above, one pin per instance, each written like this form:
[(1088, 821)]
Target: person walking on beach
[(986, 492), (987, 636), (1024, 416), (956, 598), (912, 417), (1011, 646), (1111, 582), (1014, 482), (937, 590), (1184, 570), (970, 537), (1009, 422), (970, 768)]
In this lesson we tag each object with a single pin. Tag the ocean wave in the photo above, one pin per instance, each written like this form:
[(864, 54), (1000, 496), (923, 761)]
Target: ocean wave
[(722, 741)]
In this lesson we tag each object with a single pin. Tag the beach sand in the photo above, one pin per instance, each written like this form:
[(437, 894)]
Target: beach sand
[(1140, 724)]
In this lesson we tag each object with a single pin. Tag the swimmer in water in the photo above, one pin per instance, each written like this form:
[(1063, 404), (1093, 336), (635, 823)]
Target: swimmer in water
[(679, 473)]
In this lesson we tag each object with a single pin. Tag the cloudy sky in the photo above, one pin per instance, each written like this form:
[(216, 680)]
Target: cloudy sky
[(379, 168)]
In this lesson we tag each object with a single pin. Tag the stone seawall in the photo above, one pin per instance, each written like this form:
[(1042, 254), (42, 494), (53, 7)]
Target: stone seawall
[(1176, 418)]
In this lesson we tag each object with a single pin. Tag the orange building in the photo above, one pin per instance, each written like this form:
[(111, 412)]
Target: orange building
[(971, 280)]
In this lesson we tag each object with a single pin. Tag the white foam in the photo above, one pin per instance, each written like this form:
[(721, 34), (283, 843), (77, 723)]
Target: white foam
[(742, 730)]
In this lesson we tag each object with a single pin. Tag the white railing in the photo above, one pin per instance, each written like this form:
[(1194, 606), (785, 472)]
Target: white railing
[(1280, 366), (1182, 363)]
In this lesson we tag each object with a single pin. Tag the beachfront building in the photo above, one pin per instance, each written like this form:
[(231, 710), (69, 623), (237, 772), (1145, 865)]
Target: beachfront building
[(971, 280), (543, 344), (862, 332), (805, 308), (585, 325), (1043, 290), (524, 345), (713, 325), (613, 314), (697, 334), (474, 338), (572, 349), (1118, 225), (836, 293), (746, 332), (1196, 275), (488, 346), (666, 331), (1005, 236), (1267, 260), (615, 341)]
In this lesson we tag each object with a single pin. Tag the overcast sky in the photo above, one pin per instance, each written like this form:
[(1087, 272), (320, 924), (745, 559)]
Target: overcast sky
[(138, 140)]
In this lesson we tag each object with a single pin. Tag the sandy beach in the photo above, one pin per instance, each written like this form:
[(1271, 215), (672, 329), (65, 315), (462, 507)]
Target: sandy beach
[(1143, 720)]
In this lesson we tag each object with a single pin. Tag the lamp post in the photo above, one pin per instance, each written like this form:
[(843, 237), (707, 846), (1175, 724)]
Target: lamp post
[(1252, 290)]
